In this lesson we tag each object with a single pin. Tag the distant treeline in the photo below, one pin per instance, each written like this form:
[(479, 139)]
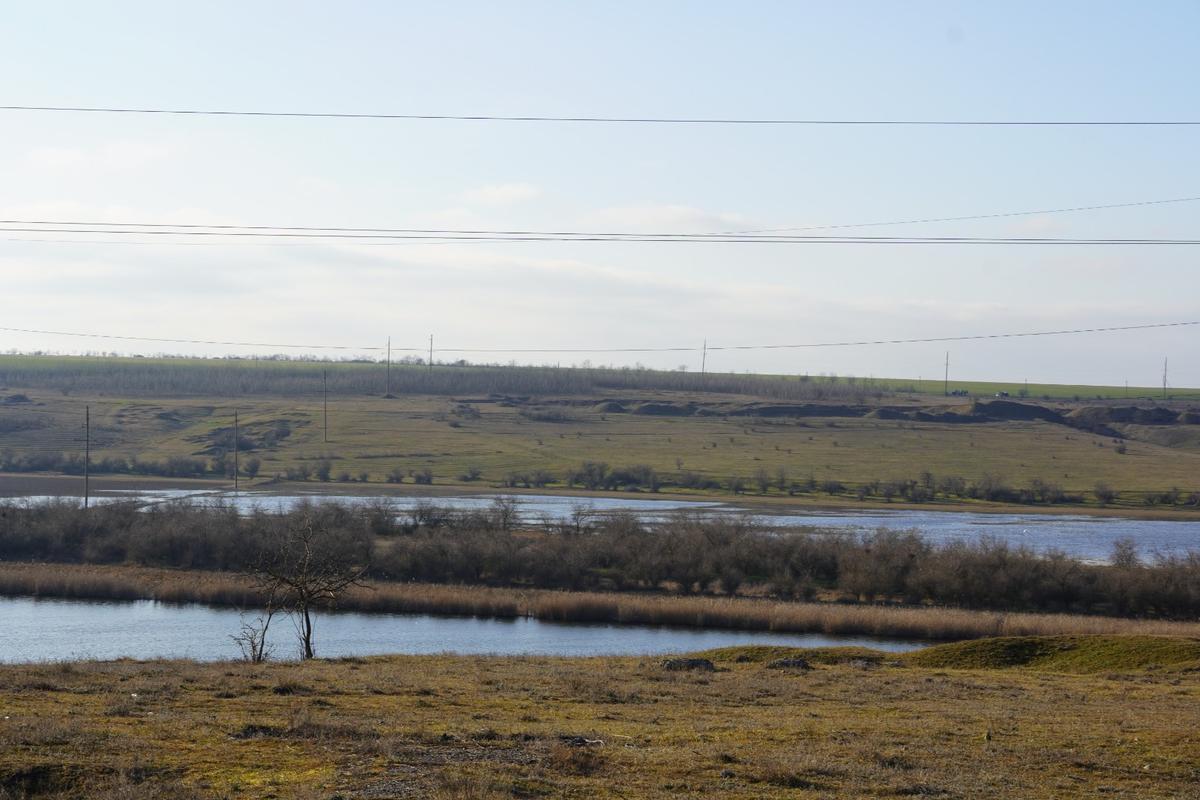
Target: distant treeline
[(172, 466), (234, 378), (686, 554)]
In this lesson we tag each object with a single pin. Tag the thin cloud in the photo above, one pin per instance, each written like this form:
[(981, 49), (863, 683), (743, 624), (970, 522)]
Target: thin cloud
[(117, 156), (501, 194), (671, 218)]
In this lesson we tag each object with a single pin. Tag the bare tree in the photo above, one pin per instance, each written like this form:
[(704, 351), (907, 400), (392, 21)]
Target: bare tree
[(304, 569), (252, 638)]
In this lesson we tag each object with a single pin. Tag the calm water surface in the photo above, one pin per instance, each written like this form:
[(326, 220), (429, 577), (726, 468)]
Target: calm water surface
[(53, 630), (1086, 537)]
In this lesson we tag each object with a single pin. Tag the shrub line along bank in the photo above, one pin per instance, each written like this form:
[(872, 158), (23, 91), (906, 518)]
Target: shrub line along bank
[(686, 554), (232, 590)]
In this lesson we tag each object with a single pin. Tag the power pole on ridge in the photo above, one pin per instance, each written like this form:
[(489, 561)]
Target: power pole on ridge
[(235, 451), (87, 453), (388, 392), (431, 352), (325, 384), (946, 380)]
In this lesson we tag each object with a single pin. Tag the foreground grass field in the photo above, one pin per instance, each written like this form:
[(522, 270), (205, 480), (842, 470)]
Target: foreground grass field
[(1031, 718)]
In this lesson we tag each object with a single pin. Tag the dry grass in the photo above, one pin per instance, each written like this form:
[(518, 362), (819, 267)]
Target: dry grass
[(376, 435), (108, 583), (468, 727)]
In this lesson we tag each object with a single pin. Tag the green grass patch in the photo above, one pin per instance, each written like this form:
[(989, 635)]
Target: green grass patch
[(1078, 654), (763, 654)]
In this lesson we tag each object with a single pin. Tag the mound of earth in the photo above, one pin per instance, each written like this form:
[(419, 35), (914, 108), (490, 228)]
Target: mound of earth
[(1009, 410), (1096, 416), (665, 409), (796, 410), (889, 413), (251, 436), (947, 416)]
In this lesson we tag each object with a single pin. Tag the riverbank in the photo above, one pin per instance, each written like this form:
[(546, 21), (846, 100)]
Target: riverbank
[(18, 485), (484, 728), (87, 582)]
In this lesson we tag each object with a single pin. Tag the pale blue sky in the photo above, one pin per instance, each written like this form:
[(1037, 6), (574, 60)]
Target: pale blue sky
[(1084, 60)]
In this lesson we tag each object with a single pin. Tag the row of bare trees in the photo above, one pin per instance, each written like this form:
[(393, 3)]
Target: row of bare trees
[(304, 558)]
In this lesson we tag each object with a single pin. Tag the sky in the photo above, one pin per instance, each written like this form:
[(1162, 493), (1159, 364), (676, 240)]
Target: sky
[(862, 60)]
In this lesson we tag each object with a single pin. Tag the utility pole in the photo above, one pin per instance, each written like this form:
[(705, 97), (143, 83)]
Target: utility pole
[(946, 382), (87, 453), (704, 358), (325, 382), (1164, 378), (235, 451), (431, 352), (388, 393)]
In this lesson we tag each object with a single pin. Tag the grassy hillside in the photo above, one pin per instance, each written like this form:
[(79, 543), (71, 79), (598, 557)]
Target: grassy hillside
[(832, 431), (377, 436), (471, 727)]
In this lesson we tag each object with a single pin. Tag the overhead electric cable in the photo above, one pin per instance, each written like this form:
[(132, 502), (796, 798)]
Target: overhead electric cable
[(968, 218), (585, 350), (200, 341), (183, 227), (342, 229), (610, 120), (529, 236)]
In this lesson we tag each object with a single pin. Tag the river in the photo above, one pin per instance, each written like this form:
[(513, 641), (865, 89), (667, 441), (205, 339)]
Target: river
[(1090, 538), (58, 630)]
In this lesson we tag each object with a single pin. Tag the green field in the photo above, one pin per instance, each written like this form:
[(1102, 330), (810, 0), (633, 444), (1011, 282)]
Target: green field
[(154, 409)]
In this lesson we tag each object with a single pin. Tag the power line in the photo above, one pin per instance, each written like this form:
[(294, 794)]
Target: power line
[(196, 341), (581, 351), (609, 120), (569, 236), (475, 232), (337, 229), (972, 217)]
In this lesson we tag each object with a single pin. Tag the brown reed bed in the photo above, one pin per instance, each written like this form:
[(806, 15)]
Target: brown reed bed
[(229, 589)]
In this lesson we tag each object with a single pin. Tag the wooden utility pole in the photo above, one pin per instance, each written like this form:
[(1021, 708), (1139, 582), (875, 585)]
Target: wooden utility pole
[(1164, 378), (388, 393), (325, 383), (431, 352), (87, 453), (946, 380), (235, 451), (704, 358)]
